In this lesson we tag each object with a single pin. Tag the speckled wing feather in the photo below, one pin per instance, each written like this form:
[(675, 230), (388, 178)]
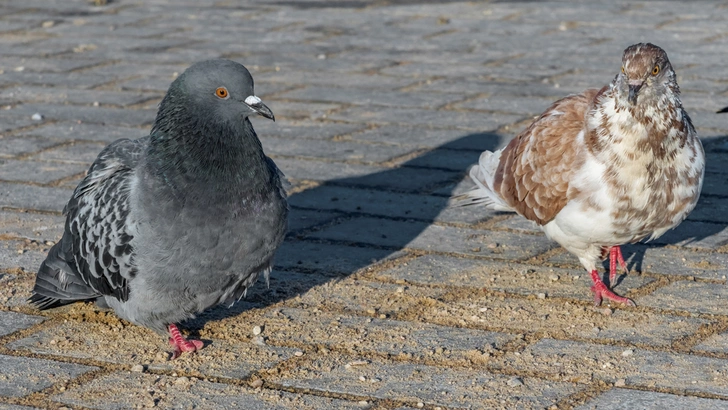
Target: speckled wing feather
[(95, 250), (535, 168)]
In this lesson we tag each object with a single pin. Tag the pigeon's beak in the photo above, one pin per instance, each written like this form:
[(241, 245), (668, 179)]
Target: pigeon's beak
[(634, 89), (259, 108)]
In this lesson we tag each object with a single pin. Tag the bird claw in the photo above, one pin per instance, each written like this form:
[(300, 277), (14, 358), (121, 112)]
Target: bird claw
[(181, 344), (601, 291)]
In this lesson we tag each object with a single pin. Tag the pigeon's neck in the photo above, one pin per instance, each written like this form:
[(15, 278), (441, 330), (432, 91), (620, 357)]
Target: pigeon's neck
[(226, 160), (653, 130)]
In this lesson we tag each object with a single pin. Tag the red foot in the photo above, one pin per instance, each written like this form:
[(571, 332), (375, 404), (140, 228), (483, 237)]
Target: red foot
[(615, 255), (180, 343), (601, 290)]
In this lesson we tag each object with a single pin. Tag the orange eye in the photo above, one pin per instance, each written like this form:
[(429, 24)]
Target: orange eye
[(656, 70), (221, 92), (622, 69)]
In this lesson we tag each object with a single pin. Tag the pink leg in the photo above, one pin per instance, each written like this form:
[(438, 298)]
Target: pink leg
[(601, 290), (615, 255), (180, 343)]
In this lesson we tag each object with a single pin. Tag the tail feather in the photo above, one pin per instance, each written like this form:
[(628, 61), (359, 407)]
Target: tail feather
[(483, 174), (57, 284)]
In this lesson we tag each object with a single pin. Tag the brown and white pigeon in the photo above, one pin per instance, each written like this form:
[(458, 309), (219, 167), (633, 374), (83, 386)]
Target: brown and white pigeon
[(602, 168)]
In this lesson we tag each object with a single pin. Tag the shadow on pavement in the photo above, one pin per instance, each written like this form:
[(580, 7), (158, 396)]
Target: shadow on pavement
[(289, 281)]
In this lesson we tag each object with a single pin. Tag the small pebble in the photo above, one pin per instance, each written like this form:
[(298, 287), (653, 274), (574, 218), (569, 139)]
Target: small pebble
[(603, 310), (95, 104), (554, 277), (256, 383), (363, 403), (620, 383), (356, 363), (20, 69), (420, 404), (627, 353), (321, 56), (515, 382), (257, 330), (48, 24), (36, 117), (541, 296), (298, 353), (182, 380), (259, 340), (137, 368), (362, 379), (492, 245)]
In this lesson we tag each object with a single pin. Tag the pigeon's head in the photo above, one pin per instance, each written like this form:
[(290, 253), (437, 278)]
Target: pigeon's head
[(646, 75), (217, 91)]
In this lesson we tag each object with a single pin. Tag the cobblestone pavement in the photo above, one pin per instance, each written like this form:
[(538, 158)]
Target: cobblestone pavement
[(383, 297)]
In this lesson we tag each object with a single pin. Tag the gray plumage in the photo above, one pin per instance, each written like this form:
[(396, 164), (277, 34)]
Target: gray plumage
[(169, 225)]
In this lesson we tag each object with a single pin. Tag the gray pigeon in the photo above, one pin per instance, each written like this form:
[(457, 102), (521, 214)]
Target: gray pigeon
[(169, 225)]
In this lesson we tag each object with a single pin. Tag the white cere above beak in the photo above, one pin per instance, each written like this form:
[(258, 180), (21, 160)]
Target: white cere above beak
[(252, 100)]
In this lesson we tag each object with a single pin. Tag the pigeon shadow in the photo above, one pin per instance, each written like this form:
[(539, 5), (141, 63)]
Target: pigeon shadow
[(308, 259), (416, 191)]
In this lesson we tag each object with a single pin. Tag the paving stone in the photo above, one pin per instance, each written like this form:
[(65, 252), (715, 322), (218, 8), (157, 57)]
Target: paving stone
[(365, 297), (451, 387), (710, 209), (413, 117), (305, 130), (132, 389), (66, 131), (17, 145), (643, 368), (455, 160), (646, 400), (86, 97), (41, 227), (696, 235), (20, 376), (31, 197), (76, 80), (408, 179), (4, 406), (714, 344), (83, 153), (697, 297), (521, 279), (90, 340), (387, 204), (427, 137), (374, 97), (556, 318), (337, 259), (12, 322), (664, 261), (299, 219), (392, 337), (37, 171), (515, 105), (336, 151), (21, 254), (97, 115), (419, 235)]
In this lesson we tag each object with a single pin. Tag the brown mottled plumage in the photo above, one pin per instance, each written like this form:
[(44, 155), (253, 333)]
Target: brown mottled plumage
[(602, 168)]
